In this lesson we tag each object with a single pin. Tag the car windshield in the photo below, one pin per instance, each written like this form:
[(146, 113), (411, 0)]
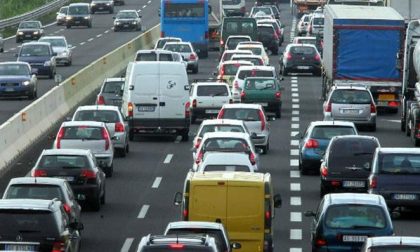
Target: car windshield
[(228, 55), (216, 234), (161, 43), (82, 133), (306, 41), (343, 96), (34, 191), (399, 163), (184, 9), (186, 248), (328, 132), (34, 50), (39, 222), (126, 14), (226, 144), (78, 10), (29, 25), (64, 10), (318, 21), (348, 216), (254, 50), (233, 42), (244, 114), (266, 30), (113, 87), (261, 11), (54, 42), (255, 73), (395, 248), (351, 154), (256, 84), (181, 48), (212, 90), (106, 116), (14, 69), (230, 168), (63, 162), (221, 128)]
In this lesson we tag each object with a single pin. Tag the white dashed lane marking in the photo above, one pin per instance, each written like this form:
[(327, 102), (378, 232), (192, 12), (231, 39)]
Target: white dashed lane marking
[(294, 162), (294, 152), (294, 174), (294, 142), (99, 35), (91, 39), (156, 183), (168, 158), (295, 100), (295, 119), (295, 112), (295, 234), (127, 245), (295, 250), (296, 217), (143, 211), (295, 187), (294, 133), (295, 126), (82, 43), (295, 106)]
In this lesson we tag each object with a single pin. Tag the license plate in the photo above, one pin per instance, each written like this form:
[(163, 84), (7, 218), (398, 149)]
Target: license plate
[(354, 238), (146, 108), (212, 111), (386, 97), (19, 247), (350, 111), (405, 196), (9, 89), (77, 22), (126, 25), (355, 184), (70, 179), (27, 36), (303, 67)]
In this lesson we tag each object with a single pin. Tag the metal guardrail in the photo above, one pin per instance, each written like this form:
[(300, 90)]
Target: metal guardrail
[(33, 14)]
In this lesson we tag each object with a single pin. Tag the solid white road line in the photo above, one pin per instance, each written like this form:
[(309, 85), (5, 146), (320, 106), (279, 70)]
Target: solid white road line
[(294, 174), (143, 211), (168, 158), (144, 6), (295, 234), (156, 183), (295, 187), (296, 217), (294, 162), (295, 201), (127, 245), (294, 142), (294, 152)]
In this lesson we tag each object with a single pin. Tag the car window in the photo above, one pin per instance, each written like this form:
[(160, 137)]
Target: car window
[(146, 56), (184, 10), (181, 48), (106, 116), (241, 114), (82, 132), (254, 73), (231, 168), (343, 96), (318, 21), (255, 84), (226, 144), (216, 234), (266, 30), (161, 43), (14, 69), (254, 61), (126, 14), (64, 162), (305, 50), (78, 10), (29, 25), (54, 42), (254, 50), (306, 41), (34, 191), (220, 128), (399, 164), (355, 216), (13, 221), (328, 132), (212, 90), (63, 10), (34, 50), (113, 87), (354, 153), (233, 42)]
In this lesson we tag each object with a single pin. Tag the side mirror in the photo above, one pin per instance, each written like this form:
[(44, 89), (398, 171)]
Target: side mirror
[(76, 226), (69, 46), (277, 201), (235, 245), (54, 54), (187, 87), (178, 199), (309, 214), (114, 17)]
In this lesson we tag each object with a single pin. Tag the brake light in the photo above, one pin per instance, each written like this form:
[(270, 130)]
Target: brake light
[(193, 56), (58, 246), (222, 71), (288, 56), (67, 208), (320, 242), (278, 95), (311, 143), (252, 158), (317, 57), (194, 103), (373, 183), (262, 119), (88, 174), (328, 107), (59, 136), (197, 143), (39, 173), (185, 214), (243, 95), (261, 62), (221, 114), (221, 42), (119, 127), (187, 109), (324, 171), (162, 34), (176, 246), (236, 84), (101, 100), (267, 215), (105, 136), (130, 109), (372, 108), (393, 104), (199, 157), (206, 35), (275, 36)]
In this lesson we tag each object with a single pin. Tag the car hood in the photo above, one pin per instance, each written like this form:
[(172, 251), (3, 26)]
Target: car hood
[(8, 78), (34, 59), (57, 49), (125, 19), (28, 29)]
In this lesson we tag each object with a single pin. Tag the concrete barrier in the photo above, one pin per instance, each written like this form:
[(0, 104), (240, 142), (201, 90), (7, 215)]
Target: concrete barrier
[(28, 125)]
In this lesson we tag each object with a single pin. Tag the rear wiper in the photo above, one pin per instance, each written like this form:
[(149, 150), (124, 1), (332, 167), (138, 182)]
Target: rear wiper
[(218, 94)]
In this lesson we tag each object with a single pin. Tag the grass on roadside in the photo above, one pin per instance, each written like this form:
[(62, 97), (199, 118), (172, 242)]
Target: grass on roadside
[(11, 8)]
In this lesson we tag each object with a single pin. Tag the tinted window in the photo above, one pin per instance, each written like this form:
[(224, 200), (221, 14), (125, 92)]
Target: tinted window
[(29, 25), (328, 132), (14, 69), (34, 191), (54, 42), (212, 90), (126, 14), (184, 10), (146, 56), (242, 168), (399, 163), (220, 128), (241, 114), (238, 27), (306, 50), (342, 96), (266, 30), (34, 50), (78, 10), (255, 84), (353, 153), (64, 162), (254, 50), (254, 73), (228, 55), (226, 144), (217, 235), (82, 132), (106, 116), (113, 87), (231, 2), (233, 42), (355, 216), (396, 248), (40, 223), (230, 69), (318, 21)]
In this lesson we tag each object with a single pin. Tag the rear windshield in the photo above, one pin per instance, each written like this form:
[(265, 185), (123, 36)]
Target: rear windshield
[(63, 162), (352, 154), (232, 168), (255, 73), (230, 69), (328, 132), (254, 50), (343, 96), (254, 61), (305, 50), (29, 25), (266, 30), (113, 87), (35, 222), (230, 2), (399, 164), (263, 10), (233, 42), (161, 43), (306, 41), (212, 90), (107, 116), (34, 191), (152, 56), (228, 55), (239, 27), (216, 234), (318, 21), (220, 128), (242, 114), (255, 84), (355, 217), (226, 144), (83, 132), (395, 248)]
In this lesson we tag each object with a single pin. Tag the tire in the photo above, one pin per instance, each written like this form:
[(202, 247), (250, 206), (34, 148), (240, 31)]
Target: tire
[(110, 171), (103, 197), (131, 135), (283, 71), (127, 148), (51, 75), (322, 191), (90, 25), (372, 127), (184, 135), (33, 95), (121, 152), (278, 112), (68, 26), (115, 29), (2, 50), (95, 203)]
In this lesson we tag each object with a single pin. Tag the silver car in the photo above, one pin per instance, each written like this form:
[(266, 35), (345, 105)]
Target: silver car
[(61, 48), (61, 15), (351, 103), (90, 135), (187, 51), (111, 92), (114, 121)]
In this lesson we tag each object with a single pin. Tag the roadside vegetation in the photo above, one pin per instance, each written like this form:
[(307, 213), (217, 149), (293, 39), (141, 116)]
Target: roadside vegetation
[(11, 8)]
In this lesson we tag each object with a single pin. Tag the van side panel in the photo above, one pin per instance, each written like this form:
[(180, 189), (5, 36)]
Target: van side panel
[(207, 202), (245, 215)]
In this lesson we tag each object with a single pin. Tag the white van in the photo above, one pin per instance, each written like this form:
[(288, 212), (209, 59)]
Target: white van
[(156, 99)]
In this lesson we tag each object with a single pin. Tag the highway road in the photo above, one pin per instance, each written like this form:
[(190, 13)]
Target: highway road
[(140, 194)]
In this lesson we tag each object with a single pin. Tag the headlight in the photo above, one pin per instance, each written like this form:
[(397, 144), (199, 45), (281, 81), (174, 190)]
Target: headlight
[(20, 33), (47, 63), (68, 18), (93, 4), (64, 53), (35, 32), (134, 22), (26, 83), (86, 17), (117, 23)]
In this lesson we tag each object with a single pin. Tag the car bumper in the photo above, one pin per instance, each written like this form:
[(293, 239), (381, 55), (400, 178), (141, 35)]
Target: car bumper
[(17, 91), (205, 112), (103, 160), (125, 26), (88, 191), (358, 122), (28, 37), (260, 140), (79, 22), (158, 126), (303, 68), (327, 184)]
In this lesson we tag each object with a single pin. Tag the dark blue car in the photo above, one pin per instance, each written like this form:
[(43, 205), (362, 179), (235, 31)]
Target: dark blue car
[(40, 56), (396, 176), (344, 221), (16, 80)]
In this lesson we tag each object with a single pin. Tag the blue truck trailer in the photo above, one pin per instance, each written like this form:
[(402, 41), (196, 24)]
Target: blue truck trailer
[(361, 47)]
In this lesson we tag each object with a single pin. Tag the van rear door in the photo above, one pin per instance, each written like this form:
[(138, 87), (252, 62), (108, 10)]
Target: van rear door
[(245, 215)]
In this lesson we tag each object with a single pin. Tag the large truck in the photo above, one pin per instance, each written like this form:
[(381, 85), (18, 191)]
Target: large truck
[(215, 23), (361, 44), (409, 9), (306, 6)]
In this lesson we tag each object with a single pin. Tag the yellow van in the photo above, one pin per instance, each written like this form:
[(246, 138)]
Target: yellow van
[(242, 201)]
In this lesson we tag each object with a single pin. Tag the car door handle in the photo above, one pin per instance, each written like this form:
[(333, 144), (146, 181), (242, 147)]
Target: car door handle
[(161, 104), (154, 98)]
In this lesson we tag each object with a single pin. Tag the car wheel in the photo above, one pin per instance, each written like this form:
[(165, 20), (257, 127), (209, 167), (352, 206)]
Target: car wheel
[(278, 112), (283, 71), (130, 135), (110, 171), (122, 152), (95, 203), (68, 26), (322, 191), (90, 25), (51, 75), (111, 11), (372, 127), (184, 135), (103, 197), (115, 29)]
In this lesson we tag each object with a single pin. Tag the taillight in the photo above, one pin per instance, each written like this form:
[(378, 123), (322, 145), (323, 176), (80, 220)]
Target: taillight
[(252, 158), (221, 42), (59, 136), (328, 107), (101, 100), (222, 71), (185, 214), (320, 242), (236, 84), (194, 103), (162, 34), (324, 171), (88, 174), (58, 246), (317, 57), (372, 108), (197, 143), (311, 143), (243, 95), (221, 114), (288, 56), (206, 35), (193, 56), (373, 183), (267, 215), (105, 136), (393, 104), (261, 62), (278, 95), (130, 109), (67, 208), (187, 109), (262, 119), (176, 246), (119, 127), (199, 157), (39, 173)]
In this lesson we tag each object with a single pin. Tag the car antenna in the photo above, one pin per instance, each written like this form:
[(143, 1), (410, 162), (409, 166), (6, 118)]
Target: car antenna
[(400, 240)]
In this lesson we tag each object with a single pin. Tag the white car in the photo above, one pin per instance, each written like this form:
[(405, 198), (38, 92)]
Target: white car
[(162, 41), (61, 47), (303, 23), (227, 54), (229, 162), (159, 55), (257, 49), (233, 40), (187, 51), (253, 59), (61, 15)]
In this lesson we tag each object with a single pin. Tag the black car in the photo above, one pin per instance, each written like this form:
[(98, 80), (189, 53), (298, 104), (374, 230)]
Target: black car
[(29, 30), (347, 164), (269, 37), (79, 168), (37, 225), (102, 6), (127, 20), (78, 14), (300, 58)]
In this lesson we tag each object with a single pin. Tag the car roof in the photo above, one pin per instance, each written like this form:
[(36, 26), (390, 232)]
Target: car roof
[(264, 68), (28, 204), (246, 56), (332, 123), (265, 25), (222, 121), (97, 107), (236, 62), (37, 180), (14, 63), (260, 78), (240, 135), (194, 224), (51, 37), (154, 50), (393, 240), (242, 105), (78, 152), (355, 87), (239, 36), (250, 46), (391, 150), (178, 43), (79, 4), (165, 38), (127, 11), (344, 137), (302, 37), (231, 176), (36, 43), (211, 83), (354, 198), (83, 123), (301, 45)]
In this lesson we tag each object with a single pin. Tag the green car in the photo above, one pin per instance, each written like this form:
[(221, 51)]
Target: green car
[(264, 91)]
